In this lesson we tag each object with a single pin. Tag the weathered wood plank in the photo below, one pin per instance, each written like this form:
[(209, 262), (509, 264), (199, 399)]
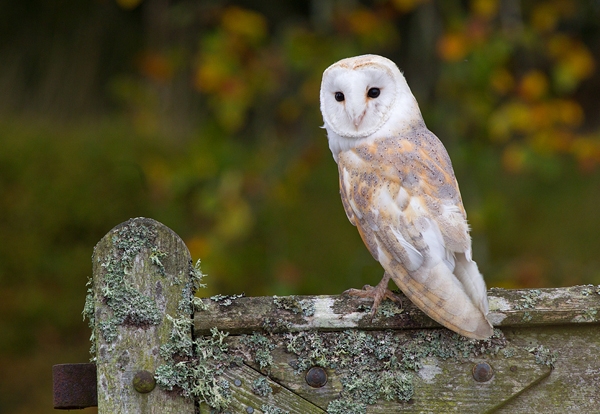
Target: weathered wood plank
[(573, 386), (508, 308), (440, 380), (139, 271), (254, 392)]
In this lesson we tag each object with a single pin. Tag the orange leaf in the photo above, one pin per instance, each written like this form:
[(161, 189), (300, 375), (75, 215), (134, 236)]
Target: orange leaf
[(452, 47)]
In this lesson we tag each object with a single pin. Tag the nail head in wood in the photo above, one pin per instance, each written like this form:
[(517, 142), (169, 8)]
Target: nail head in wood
[(143, 382), (316, 377), (482, 372)]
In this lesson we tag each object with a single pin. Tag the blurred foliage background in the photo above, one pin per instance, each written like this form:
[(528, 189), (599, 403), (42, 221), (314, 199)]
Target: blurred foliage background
[(205, 116)]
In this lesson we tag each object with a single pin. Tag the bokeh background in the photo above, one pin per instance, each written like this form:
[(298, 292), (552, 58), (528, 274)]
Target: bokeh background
[(204, 115)]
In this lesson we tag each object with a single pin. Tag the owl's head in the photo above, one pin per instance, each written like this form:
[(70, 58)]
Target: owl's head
[(360, 95)]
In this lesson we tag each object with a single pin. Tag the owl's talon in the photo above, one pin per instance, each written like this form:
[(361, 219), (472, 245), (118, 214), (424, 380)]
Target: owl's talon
[(377, 293)]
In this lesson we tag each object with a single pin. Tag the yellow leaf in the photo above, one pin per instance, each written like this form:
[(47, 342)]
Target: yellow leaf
[(584, 147), (580, 61), (544, 17), (508, 119), (210, 75), (246, 23), (533, 85), (574, 62), (568, 112), (484, 8), (587, 151), (519, 116)]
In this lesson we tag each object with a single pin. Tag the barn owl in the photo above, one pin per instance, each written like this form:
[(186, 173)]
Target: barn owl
[(398, 188)]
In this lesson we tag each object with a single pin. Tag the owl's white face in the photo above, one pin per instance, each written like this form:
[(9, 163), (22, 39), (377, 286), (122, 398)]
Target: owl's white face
[(361, 95)]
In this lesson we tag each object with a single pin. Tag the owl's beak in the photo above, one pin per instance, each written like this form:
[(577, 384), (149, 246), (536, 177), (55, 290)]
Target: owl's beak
[(357, 117)]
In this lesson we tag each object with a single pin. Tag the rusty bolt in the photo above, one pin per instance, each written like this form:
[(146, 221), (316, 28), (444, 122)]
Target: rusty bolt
[(482, 372), (144, 382), (316, 377)]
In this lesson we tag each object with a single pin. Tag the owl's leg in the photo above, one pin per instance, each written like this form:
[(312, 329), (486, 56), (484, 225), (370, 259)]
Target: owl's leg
[(377, 293)]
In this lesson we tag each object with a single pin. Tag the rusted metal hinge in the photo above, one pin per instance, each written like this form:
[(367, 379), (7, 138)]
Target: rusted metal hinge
[(75, 386)]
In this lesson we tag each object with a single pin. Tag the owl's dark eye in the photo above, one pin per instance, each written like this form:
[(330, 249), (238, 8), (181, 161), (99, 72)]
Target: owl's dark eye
[(373, 93), (339, 96)]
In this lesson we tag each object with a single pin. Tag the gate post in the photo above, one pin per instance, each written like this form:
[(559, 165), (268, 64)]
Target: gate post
[(141, 275)]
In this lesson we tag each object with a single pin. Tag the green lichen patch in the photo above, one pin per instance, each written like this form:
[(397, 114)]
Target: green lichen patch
[(389, 309), (261, 387), (127, 305), (259, 348), (89, 314), (529, 299), (379, 365), (587, 290), (189, 302), (543, 355), (277, 325), (346, 407), (269, 409), (155, 257), (194, 368), (297, 306), (226, 300)]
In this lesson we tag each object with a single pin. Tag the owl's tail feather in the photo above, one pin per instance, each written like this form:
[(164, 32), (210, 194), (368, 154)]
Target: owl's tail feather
[(467, 272), (442, 296)]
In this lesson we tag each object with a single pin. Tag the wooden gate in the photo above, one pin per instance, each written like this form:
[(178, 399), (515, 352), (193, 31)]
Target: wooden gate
[(159, 349)]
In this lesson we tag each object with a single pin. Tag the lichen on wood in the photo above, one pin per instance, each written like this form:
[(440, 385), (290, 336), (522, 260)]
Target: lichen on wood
[(142, 279)]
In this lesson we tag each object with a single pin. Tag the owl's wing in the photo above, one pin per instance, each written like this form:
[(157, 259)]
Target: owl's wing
[(405, 202)]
